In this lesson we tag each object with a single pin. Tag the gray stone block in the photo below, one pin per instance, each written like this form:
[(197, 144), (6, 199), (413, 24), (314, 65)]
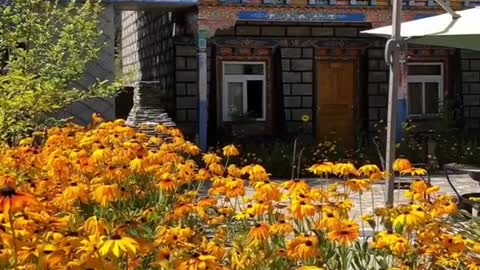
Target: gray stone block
[(471, 76), (302, 89), (276, 31), (383, 89), (376, 53), (307, 102), (372, 64), (244, 30), (181, 115), (191, 63), (377, 76), (473, 87), (288, 116), (322, 31), (225, 32), (298, 31), (286, 64), (185, 50), (180, 89), (294, 101), (192, 115), (465, 64), (302, 64), (292, 76), (180, 63), (377, 101), (474, 112), (286, 89), (470, 54), (291, 52), (346, 32), (372, 89), (474, 64), (186, 76), (187, 103), (372, 114), (307, 77), (298, 113), (192, 89), (307, 52)]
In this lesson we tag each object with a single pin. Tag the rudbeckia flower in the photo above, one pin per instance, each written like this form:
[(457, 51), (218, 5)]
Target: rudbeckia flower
[(344, 169), (301, 209), (367, 170), (282, 228), (211, 158), (345, 234), (258, 234), (230, 151), (118, 246), (303, 248), (322, 169), (106, 194), (358, 185), (401, 164), (12, 201)]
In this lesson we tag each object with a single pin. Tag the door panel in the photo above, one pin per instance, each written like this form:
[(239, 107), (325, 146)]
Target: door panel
[(335, 109)]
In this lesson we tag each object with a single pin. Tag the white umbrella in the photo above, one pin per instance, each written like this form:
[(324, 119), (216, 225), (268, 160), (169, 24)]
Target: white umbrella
[(459, 30), (442, 30)]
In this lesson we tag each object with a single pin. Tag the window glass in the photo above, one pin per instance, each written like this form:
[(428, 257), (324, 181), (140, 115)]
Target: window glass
[(255, 98), (415, 98), (235, 99), (424, 69), (243, 69), (431, 97)]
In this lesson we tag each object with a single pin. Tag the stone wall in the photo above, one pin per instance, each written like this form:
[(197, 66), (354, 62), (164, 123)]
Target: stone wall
[(377, 88), (471, 88), (186, 90), (297, 79), (148, 57)]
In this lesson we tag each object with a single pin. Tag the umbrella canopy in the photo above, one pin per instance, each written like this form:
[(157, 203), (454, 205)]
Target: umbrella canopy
[(442, 30)]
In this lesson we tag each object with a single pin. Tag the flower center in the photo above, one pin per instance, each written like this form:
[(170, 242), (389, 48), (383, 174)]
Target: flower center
[(308, 243), (7, 192), (115, 237)]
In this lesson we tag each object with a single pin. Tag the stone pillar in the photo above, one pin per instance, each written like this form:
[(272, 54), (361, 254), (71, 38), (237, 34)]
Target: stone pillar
[(202, 90), (146, 110)]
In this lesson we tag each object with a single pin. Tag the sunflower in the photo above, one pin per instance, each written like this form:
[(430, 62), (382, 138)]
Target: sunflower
[(401, 164), (118, 246), (12, 201), (259, 234), (345, 234), (230, 151)]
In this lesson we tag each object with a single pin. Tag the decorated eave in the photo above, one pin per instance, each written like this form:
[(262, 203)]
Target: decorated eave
[(145, 4)]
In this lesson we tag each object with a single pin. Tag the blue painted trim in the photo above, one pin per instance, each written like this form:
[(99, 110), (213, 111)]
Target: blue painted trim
[(300, 17), (402, 116)]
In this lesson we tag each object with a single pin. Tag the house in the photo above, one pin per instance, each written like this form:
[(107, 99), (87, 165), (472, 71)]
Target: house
[(274, 67)]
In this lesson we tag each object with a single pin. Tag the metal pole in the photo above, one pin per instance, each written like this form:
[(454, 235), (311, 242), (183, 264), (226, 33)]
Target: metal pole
[(392, 57), (448, 9), (202, 90)]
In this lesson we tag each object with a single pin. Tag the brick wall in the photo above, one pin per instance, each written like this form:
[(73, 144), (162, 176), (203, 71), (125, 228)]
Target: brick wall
[(297, 79), (471, 88), (148, 51), (377, 88)]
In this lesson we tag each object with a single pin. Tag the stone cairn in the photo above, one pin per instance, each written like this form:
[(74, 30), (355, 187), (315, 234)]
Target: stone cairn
[(147, 111)]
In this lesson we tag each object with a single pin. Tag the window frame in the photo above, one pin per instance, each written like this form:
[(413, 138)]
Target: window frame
[(423, 79), (243, 79)]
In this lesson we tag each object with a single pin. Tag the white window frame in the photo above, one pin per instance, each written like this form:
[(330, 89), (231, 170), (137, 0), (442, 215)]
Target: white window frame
[(243, 79), (426, 79)]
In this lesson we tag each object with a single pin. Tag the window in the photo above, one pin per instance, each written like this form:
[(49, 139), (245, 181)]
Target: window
[(425, 88), (244, 95)]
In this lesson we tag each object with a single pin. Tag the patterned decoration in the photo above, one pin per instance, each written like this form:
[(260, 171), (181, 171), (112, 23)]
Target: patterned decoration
[(299, 17)]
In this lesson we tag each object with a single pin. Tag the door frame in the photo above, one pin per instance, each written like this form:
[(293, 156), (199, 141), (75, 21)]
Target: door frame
[(355, 59)]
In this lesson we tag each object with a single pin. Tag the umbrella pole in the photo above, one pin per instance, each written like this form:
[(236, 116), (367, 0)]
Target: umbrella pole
[(392, 58)]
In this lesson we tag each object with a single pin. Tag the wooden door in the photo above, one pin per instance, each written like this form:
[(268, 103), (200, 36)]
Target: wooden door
[(335, 106)]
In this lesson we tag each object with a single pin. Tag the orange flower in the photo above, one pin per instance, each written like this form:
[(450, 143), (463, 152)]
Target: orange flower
[(105, 194), (303, 247), (300, 209), (367, 170), (401, 164), (281, 228), (358, 185), (323, 169), (12, 201), (259, 234), (346, 233), (230, 151)]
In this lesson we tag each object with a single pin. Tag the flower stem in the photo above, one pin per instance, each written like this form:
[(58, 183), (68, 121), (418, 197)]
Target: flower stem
[(14, 238)]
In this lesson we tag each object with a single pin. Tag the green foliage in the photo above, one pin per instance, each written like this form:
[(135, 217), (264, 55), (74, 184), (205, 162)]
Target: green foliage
[(46, 46)]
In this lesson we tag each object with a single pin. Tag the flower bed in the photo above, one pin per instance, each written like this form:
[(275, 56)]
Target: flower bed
[(112, 198)]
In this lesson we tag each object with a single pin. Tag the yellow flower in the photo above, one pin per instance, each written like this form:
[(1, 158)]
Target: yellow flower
[(322, 169), (401, 164), (367, 170), (345, 233), (118, 246), (105, 194), (230, 151), (344, 169), (211, 158), (413, 171), (358, 185)]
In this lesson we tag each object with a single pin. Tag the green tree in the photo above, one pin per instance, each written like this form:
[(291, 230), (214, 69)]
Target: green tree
[(46, 46)]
